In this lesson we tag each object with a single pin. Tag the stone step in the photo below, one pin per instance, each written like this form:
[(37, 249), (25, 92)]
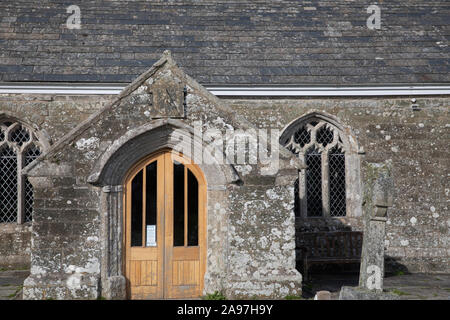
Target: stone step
[(11, 282), (8, 292)]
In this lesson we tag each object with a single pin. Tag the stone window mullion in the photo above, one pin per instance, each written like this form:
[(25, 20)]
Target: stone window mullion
[(20, 189), (325, 185), (302, 193)]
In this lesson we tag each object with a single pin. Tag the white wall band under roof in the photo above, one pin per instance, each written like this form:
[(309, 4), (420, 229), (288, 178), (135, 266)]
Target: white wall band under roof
[(108, 89)]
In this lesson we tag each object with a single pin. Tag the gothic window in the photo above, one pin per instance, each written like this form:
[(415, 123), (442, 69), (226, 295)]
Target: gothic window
[(19, 146), (320, 190)]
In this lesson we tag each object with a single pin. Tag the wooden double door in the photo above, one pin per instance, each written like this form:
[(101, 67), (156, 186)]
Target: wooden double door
[(164, 236)]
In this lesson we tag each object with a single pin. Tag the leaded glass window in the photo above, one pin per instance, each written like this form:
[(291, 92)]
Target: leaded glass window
[(19, 146), (320, 190), (8, 188)]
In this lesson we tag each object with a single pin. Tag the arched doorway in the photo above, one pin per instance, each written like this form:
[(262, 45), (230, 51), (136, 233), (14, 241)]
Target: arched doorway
[(164, 228)]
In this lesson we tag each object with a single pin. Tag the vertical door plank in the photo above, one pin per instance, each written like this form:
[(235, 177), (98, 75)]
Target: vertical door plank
[(185, 206), (168, 212), (161, 191), (144, 205)]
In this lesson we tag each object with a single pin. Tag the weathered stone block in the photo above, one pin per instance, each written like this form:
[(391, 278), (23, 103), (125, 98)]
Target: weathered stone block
[(357, 293), (115, 288)]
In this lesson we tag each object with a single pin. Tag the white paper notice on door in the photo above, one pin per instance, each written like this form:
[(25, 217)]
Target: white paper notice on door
[(151, 236)]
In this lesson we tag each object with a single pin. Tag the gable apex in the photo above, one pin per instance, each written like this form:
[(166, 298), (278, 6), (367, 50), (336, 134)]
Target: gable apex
[(165, 60)]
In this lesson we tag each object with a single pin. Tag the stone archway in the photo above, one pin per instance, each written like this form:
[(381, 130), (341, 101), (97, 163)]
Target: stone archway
[(109, 174)]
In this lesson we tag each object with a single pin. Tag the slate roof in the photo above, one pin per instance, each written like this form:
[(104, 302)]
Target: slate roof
[(228, 42)]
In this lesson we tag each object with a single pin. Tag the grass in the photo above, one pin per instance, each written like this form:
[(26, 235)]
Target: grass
[(22, 268), (13, 295), (399, 273), (293, 297), (400, 293), (214, 296)]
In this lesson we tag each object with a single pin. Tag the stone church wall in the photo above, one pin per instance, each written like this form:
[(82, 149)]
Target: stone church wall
[(53, 116), (71, 251), (388, 129), (414, 141)]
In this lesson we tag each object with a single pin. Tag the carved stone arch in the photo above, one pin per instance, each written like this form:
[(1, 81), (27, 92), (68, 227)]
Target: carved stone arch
[(42, 139), (349, 138), (151, 137), (109, 174), (310, 124)]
